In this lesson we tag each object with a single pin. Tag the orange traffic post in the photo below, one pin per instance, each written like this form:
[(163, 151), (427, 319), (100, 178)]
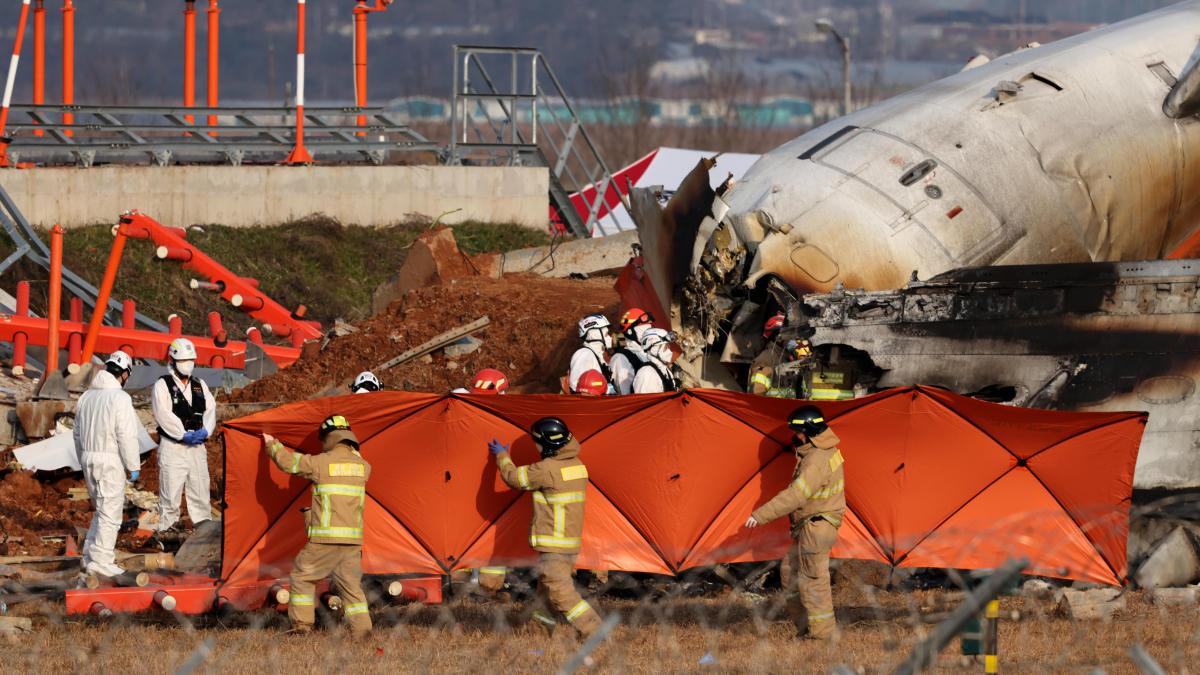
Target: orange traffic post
[(68, 61), (299, 154), (39, 56), (189, 57), (106, 286), (8, 85), (55, 305), (214, 63)]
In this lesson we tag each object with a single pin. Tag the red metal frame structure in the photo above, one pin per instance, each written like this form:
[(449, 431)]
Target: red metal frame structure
[(361, 10), (193, 594), (140, 344), (241, 292), (299, 154)]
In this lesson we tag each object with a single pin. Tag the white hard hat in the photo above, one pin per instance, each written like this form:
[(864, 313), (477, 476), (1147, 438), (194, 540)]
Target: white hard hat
[(592, 322), (366, 382), (121, 360), (182, 349), (656, 336)]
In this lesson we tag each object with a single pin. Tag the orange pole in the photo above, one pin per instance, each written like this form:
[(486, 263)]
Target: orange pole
[(8, 85), (75, 340), (299, 154), (360, 60), (39, 56), (189, 57), (106, 286), (68, 62), (55, 307), (214, 64)]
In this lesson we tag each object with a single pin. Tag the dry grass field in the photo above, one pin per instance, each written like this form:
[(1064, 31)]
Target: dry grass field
[(731, 633)]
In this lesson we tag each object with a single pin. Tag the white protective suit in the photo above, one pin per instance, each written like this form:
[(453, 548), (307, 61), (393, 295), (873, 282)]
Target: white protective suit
[(648, 381), (624, 372), (106, 438), (584, 359), (181, 466)]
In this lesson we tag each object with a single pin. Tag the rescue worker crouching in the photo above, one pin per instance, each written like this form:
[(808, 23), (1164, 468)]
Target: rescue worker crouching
[(559, 485), (773, 372), (815, 502), (106, 439), (186, 414), (334, 522)]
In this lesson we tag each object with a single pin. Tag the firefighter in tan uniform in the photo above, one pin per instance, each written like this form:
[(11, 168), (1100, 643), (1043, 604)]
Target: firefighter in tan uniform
[(815, 501), (558, 484), (335, 523)]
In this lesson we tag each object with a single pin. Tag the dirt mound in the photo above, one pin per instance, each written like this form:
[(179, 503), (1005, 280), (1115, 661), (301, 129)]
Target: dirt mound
[(531, 337), (31, 508)]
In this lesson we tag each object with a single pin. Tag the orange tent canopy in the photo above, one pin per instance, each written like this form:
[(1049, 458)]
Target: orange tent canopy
[(932, 480)]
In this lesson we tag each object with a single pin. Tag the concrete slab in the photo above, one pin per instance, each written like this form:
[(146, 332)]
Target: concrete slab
[(1174, 562)]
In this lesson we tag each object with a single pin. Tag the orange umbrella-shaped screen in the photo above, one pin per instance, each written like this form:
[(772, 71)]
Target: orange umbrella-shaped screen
[(932, 480)]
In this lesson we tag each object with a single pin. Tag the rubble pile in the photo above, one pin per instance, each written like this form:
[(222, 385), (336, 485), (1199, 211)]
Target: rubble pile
[(531, 337)]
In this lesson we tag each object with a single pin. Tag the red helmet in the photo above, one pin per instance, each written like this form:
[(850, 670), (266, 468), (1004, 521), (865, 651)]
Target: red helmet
[(489, 381), (773, 325), (634, 317), (592, 383)]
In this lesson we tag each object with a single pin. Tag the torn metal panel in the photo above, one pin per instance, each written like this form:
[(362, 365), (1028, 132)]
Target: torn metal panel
[(1089, 337)]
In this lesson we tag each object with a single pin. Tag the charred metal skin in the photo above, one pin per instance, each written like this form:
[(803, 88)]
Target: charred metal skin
[(1088, 337)]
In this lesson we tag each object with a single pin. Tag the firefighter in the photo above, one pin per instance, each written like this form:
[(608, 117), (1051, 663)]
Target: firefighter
[(334, 522), (106, 439), (365, 383), (628, 357), (655, 376), (592, 355), (767, 376), (559, 484), (186, 414), (815, 502)]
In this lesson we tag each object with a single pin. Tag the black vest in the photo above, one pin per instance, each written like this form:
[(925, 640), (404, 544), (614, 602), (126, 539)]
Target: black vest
[(192, 416), (635, 361), (668, 382)]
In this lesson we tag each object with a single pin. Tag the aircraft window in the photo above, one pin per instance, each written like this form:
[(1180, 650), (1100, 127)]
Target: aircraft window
[(808, 154), (918, 172)]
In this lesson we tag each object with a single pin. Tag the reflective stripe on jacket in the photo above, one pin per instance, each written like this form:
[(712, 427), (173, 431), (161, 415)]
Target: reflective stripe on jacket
[(559, 487), (818, 487), (339, 493)]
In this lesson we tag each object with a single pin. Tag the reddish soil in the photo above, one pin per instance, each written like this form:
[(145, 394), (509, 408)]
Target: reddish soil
[(531, 337)]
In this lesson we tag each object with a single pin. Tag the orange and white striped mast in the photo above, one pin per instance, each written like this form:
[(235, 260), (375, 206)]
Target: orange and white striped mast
[(8, 85), (299, 154)]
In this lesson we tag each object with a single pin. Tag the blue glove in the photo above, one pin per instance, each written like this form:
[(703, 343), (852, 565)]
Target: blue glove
[(496, 447), (134, 475), (195, 437)]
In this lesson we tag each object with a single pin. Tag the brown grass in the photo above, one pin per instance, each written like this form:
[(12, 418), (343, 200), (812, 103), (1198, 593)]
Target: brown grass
[(742, 633)]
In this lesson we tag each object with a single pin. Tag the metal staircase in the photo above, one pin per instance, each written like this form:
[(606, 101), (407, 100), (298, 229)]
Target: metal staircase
[(526, 119)]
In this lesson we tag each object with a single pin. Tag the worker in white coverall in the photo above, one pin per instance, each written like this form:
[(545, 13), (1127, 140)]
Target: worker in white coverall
[(593, 355), (186, 415), (655, 375), (628, 358), (106, 439)]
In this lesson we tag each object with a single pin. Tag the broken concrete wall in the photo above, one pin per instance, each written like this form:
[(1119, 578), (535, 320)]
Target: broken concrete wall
[(1174, 562)]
